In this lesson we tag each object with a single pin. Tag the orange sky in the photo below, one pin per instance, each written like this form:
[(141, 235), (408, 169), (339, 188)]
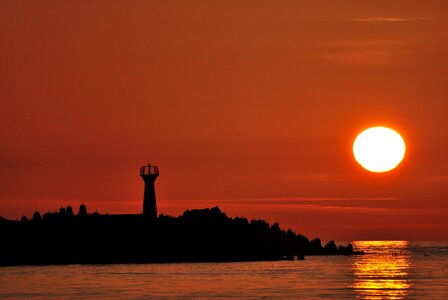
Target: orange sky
[(249, 105)]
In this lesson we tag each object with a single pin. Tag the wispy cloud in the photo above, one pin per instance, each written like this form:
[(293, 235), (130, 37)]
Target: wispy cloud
[(290, 199), (365, 52), (299, 206), (302, 199), (387, 19), (287, 204), (307, 177), (438, 178)]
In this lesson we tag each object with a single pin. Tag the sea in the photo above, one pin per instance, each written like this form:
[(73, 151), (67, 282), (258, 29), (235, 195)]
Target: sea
[(388, 270)]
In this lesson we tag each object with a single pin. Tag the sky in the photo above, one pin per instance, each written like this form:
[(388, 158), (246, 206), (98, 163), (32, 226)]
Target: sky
[(252, 106)]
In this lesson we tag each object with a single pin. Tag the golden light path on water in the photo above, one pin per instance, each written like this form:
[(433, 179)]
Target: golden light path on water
[(384, 276)]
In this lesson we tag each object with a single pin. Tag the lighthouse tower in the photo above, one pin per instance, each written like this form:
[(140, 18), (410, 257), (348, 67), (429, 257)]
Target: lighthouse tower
[(149, 174)]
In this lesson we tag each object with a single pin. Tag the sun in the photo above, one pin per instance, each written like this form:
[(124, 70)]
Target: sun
[(379, 149)]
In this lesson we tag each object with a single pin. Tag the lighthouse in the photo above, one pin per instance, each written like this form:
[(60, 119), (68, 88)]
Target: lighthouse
[(149, 174)]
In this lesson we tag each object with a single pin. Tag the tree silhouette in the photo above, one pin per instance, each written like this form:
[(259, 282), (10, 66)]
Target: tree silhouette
[(36, 217), (69, 211), (82, 211), (330, 248)]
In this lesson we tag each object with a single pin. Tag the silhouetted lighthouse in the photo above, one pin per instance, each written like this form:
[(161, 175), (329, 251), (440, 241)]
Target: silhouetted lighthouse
[(149, 174)]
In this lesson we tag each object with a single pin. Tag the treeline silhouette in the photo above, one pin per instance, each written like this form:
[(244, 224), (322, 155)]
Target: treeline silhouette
[(199, 235)]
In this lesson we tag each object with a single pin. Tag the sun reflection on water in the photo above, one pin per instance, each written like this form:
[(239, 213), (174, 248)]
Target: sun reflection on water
[(383, 273)]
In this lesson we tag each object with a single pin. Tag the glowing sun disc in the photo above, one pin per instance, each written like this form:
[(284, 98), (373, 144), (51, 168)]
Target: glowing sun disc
[(379, 149)]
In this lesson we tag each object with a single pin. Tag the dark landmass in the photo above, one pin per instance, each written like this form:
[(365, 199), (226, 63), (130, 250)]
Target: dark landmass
[(205, 235)]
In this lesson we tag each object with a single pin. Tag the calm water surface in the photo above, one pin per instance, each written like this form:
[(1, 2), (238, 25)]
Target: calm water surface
[(389, 270)]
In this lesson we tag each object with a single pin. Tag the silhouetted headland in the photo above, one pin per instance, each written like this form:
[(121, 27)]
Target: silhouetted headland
[(199, 235)]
